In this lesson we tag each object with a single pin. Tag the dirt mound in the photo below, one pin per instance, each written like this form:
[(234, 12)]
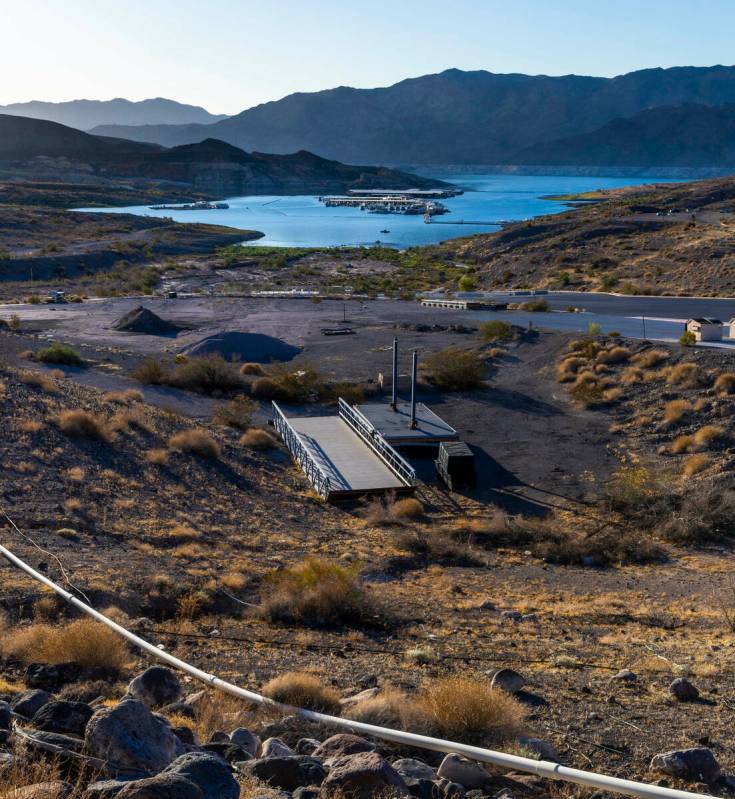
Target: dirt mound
[(141, 320), (248, 347)]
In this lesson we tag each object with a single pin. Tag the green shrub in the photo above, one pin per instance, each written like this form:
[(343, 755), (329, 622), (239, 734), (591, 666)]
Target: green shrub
[(496, 330), (58, 353), (206, 374), (237, 413), (535, 306), (687, 339), (455, 369), (151, 372)]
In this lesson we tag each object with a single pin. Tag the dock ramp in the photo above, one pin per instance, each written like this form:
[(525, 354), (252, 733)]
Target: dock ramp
[(343, 456)]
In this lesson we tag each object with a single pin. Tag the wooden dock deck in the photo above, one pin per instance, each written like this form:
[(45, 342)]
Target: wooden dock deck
[(394, 427)]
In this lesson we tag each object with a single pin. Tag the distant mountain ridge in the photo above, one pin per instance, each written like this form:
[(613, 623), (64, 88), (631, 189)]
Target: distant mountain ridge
[(210, 166), (88, 114), (452, 117)]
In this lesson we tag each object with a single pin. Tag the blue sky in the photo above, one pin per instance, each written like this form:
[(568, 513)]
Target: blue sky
[(231, 54)]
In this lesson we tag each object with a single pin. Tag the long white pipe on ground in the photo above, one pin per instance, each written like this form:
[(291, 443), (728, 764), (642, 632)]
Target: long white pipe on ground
[(540, 768)]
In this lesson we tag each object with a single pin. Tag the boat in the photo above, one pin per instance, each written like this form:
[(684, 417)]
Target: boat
[(200, 205), (385, 231)]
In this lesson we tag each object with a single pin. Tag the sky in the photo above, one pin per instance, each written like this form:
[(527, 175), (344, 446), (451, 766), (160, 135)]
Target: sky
[(228, 55)]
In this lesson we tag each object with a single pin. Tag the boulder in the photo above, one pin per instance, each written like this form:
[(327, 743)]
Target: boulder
[(340, 745), (219, 736), (420, 788), (683, 690), (5, 716), (368, 693), (162, 786), (625, 675), (104, 789), (130, 737), (63, 717), (51, 677), (511, 615), (544, 749), (411, 769), (6, 761), (362, 776), (274, 747), (694, 765), (41, 790), (306, 792), (446, 789), (246, 739), (286, 773), (156, 686), (186, 735), (307, 746), (228, 751), (468, 773), (182, 709), (209, 772), (509, 680), (28, 703), (71, 742)]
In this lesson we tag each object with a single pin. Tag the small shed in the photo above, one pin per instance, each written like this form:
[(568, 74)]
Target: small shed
[(705, 328), (731, 326)]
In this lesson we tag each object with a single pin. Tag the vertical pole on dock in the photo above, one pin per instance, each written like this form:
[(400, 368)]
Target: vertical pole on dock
[(414, 363), (394, 384)]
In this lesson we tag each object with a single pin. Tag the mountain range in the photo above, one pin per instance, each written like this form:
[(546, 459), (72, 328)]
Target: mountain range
[(87, 114), (38, 147), (455, 117)]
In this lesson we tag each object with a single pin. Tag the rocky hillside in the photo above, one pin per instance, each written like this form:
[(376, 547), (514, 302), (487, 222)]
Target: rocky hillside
[(454, 117), (690, 135), (211, 166), (621, 240)]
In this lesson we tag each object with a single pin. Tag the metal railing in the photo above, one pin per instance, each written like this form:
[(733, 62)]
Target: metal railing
[(313, 471), (362, 426)]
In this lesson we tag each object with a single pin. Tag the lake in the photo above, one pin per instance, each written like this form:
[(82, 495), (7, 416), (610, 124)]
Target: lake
[(302, 221)]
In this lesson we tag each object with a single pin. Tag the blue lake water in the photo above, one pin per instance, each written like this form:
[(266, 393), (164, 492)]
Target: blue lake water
[(302, 221)]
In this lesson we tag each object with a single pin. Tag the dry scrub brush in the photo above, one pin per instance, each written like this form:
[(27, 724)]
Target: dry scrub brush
[(84, 641), (299, 689), (195, 440), (257, 439), (725, 383), (314, 593), (456, 369), (82, 424), (650, 358), (237, 413)]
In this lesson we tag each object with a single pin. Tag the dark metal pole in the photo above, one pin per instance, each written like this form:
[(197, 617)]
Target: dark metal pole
[(394, 384), (644, 327), (414, 362)]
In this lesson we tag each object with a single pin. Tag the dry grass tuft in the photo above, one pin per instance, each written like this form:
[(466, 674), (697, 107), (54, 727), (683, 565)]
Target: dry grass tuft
[(568, 368), (83, 641), (694, 464), (30, 425), (82, 424), (676, 410), (127, 397), (408, 508), (725, 383), (237, 413), (390, 708), (687, 375), (613, 355), (157, 456), (707, 435), (631, 376), (464, 707), (254, 369), (257, 439), (195, 440), (650, 358), (40, 381), (298, 689), (315, 592)]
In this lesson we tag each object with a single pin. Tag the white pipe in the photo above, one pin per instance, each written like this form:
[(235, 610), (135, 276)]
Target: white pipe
[(540, 768)]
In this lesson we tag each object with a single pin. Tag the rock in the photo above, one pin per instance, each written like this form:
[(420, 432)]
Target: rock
[(511, 615), (420, 788), (156, 686), (198, 701), (411, 769), (104, 789), (306, 792), (209, 772), (162, 786), (446, 789), (179, 709), (509, 680), (368, 693), (683, 690), (63, 717), (544, 749), (307, 746), (41, 790), (130, 737), (186, 735), (694, 765), (274, 747), (51, 677), (6, 761), (286, 773), (361, 776), (341, 745), (466, 772), (28, 703), (219, 736), (367, 680), (529, 618), (5, 716), (71, 742), (625, 675), (228, 751), (141, 320), (247, 740), (487, 604)]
